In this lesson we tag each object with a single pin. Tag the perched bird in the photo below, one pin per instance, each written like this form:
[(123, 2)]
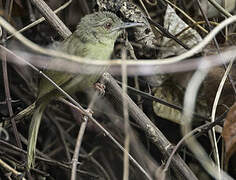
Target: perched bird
[(93, 38)]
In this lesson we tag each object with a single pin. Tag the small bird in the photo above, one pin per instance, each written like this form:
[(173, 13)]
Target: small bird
[(93, 38)]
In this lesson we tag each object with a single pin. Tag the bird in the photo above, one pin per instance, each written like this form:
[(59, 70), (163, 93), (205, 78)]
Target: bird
[(94, 38)]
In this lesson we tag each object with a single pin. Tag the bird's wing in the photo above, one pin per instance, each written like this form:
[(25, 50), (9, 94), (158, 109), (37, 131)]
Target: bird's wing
[(59, 78)]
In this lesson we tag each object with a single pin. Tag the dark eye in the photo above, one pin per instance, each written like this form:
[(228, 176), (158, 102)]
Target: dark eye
[(108, 25)]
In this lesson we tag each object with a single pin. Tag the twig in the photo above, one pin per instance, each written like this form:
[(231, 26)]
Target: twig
[(167, 33), (10, 169), (213, 113), (24, 113), (8, 9), (8, 100), (88, 155), (7, 14), (126, 117), (40, 20), (84, 112), (199, 130), (189, 104), (187, 16), (161, 101), (30, 9), (150, 129), (111, 137), (80, 138), (97, 164), (77, 147), (212, 135), (216, 44), (61, 134), (219, 8), (134, 64), (46, 160), (52, 18)]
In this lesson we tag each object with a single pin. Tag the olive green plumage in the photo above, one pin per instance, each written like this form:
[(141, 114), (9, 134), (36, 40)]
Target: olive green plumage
[(93, 38)]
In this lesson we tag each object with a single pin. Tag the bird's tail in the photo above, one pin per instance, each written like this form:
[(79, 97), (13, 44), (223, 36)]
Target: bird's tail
[(33, 133)]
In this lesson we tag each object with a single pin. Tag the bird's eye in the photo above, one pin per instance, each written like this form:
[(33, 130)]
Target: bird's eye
[(108, 25)]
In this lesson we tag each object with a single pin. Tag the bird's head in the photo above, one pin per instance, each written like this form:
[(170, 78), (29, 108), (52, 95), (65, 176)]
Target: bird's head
[(101, 27)]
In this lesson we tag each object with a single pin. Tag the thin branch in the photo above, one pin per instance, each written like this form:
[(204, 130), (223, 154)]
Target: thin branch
[(126, 117), (212, 134), (189, 105), (167, 33), (187, 16), (154, 134), (161, 101), (7, 14), (8, 100), (82, 110), (111, 137), (213, 113), (77, 147), (198, 131), (40, 19), (30, 9), (220, 8), (52, 18), (44, 159), (61, 134), (10, 169), (150, 63), (216, 44)]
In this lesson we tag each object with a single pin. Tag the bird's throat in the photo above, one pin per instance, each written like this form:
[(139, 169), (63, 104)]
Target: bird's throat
[(100, 50)]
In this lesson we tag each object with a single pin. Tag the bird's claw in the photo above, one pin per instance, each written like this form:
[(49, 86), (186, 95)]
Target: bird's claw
[(100, 88)]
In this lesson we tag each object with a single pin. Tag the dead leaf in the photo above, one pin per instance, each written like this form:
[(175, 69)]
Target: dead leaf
[(229, 133), (177, 27)]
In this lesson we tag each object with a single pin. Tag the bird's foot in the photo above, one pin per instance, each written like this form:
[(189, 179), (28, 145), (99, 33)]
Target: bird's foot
[(100, 88)]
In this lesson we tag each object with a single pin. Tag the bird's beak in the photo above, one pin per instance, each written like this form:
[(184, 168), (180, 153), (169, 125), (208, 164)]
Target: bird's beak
[(127, 25)]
